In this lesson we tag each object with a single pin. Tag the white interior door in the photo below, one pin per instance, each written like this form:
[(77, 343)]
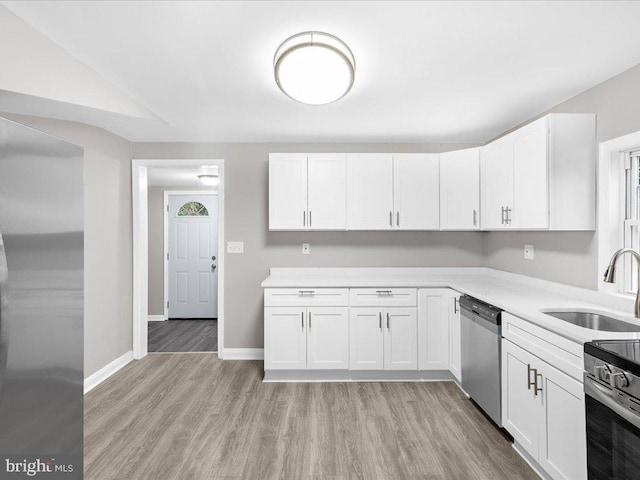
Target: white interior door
[(193, 252)]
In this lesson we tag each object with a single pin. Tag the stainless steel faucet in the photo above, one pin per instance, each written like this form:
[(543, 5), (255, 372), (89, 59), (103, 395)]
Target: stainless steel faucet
[(609, 274)]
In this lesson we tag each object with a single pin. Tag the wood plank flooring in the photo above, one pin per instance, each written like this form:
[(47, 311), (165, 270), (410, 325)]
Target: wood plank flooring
[(195, 417), (183, 336)]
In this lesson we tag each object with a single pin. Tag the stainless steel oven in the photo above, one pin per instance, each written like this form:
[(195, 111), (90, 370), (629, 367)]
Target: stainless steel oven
[(612, 398)]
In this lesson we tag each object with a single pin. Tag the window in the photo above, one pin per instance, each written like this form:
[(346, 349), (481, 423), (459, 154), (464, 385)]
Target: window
[(632, 219), (193, 209)]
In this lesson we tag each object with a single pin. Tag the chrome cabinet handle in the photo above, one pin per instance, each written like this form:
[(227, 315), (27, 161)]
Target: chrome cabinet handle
[(383, 292), (380, 320), (309, 315), (538, 389), (508, 216), (391, 219), (304, 218), (387, 320), (455, 305), (398, 218), (475, 218), (306, 292), (302, 320), (309, 217), (502, 217), (535, 372)]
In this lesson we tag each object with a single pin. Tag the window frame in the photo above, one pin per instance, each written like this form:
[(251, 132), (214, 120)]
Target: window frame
[(631, 220)]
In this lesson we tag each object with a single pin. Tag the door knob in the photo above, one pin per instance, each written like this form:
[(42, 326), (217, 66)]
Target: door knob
[(213, 257), (213, 267)]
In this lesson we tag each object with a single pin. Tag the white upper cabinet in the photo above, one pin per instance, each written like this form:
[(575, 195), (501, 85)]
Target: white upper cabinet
[(541, 176), (287, 191), (460, 190), (497, 185), (369, 191), (530, 174), (327, 191), (416, 191), (307, 192)]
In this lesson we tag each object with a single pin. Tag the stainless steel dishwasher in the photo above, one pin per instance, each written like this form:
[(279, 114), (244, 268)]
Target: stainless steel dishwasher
[(481, 349)]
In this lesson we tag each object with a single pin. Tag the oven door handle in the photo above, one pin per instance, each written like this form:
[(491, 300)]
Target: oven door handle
[(603, 395)]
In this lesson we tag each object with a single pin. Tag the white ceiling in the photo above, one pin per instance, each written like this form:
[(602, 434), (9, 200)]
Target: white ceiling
[(426, 71)]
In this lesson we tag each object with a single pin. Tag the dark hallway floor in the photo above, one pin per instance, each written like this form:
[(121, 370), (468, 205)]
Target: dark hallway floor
[(199, 335)]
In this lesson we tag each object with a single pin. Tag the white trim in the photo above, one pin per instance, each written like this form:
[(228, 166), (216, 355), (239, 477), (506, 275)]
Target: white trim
[(92, 381), (611, 199), (311, 376), (243, 353), (141, 247), (165, 242), (156, 318)]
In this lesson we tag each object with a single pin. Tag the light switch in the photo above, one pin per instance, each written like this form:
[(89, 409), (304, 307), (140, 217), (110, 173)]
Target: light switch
[(235, 247), (305, 249), (528, 252)]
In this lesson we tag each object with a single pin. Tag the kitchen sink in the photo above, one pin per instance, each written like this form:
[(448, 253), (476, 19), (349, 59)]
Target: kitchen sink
[(594, 321)]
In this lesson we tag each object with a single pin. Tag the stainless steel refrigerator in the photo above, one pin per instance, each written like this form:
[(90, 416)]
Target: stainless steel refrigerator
[(41, 304)]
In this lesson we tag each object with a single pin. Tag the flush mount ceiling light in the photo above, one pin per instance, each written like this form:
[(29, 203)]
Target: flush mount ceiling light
[(314, 68), (209, 179)]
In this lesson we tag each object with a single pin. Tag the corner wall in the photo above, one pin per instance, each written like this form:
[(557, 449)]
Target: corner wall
[(572, 257)]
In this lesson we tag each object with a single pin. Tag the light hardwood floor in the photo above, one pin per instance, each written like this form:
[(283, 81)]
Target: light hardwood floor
[(195, 417)]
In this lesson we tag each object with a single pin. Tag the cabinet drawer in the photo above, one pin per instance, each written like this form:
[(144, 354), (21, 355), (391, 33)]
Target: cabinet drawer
[(562, 353), (307, 297), (383, 297)]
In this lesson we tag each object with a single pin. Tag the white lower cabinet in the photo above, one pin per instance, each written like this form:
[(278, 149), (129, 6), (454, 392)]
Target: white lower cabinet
[(298, 338), (285, 338), (327, 338), (455, 337), (543, 408), (434, 309), (383, 338)]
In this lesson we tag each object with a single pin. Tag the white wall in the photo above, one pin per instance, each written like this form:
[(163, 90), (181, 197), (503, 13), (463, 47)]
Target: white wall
[(108, 249), (572, 257), (246, 219)]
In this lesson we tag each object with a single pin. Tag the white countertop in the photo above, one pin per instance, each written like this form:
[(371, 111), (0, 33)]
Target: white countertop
[(522, 296)]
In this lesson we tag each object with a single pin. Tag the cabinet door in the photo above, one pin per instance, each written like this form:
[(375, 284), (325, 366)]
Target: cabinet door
[(327, 195), (400, 338), (328, 338), (520, 405), (287, 191), (285, 338), (366, 339), (563, 443), (530, 176), (460, 190), (496, 183), (433, 328), (369, 191), (416, 191), (455, 339)]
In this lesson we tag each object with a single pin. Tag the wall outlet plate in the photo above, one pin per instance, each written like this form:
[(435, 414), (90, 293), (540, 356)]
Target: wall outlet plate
[(528, 252), (235, 247), (305, 249)]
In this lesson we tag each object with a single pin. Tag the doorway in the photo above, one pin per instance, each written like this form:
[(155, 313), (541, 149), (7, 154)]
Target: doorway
[(190, 256), (197, 285)]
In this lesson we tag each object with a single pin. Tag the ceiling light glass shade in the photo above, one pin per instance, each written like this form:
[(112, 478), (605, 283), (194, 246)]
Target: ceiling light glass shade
[(314, 68), (209, 180)]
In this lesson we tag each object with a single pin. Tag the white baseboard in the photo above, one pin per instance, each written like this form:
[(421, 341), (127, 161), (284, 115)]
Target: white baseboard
[(155, 318), (105, 372), (243, 354)]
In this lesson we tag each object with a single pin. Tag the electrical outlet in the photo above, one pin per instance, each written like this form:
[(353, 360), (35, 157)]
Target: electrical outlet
[(235, 247), (528, 252), (305, 249)]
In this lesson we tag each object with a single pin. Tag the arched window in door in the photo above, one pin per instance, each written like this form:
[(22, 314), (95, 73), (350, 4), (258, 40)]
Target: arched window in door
[(193, 209)]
